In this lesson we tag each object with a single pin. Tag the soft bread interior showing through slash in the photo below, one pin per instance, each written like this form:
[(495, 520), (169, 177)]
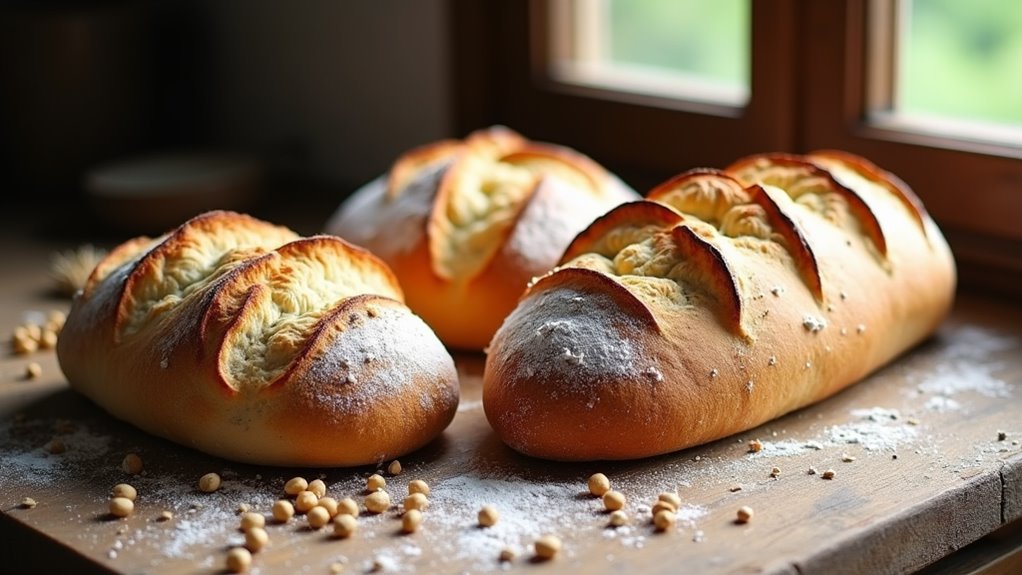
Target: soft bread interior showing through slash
[(491, 176), (287, 293)]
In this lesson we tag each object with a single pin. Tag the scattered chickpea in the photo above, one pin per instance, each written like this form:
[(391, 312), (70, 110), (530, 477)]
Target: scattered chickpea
[(345, 525), (663, 506), (347, 505), (283, 511), (24, 345), (613, 500), (255, 539), (121, 506), (33, 331), (165, 516), (547, 547), (488, 516), (295, 485), (33, 371), (411, 520), (416, 501), (251, 519), (394, 468), (318, 517), (318, 487), (56, 446), (671, 498), (242, 508), (375, 482), (377, 502), (506, 554), (48, 339), (28, 503), (124, 490), (755, 446), (619, 518), (336, 567), (239, 560), (305, 501), (775, 472), (131, 464), (418, 486), (598, 484), (330, 504), (744, 514), (664, 519), (209, 483), (828, 474)]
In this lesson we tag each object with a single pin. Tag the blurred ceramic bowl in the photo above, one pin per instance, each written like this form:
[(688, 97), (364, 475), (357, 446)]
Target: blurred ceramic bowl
[(154, 194)]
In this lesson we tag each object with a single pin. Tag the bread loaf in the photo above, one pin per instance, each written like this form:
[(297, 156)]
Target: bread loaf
[(466, 224), (727, 299), (243, 340)]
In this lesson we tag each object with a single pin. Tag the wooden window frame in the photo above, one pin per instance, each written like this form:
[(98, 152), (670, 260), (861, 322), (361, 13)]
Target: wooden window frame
[(808, 91)]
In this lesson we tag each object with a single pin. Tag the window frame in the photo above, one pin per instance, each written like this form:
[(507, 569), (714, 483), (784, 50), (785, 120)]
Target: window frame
[(499, 56)]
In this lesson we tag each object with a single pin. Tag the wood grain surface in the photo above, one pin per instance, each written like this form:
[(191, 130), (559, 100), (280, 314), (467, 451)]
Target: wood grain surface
[(919, 471)]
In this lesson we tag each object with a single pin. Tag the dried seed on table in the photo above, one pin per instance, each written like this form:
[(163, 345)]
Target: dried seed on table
[(318, 487), (547, 546), (347, 505), (828, 474), (847, 458), (305, 501), (377, 502), (345, 525), (416, 501), (251, 519), (661, 506), (124, 490), (394, 468), (375, 482), (330, 504), (488, 516), (283, 511), (755, 446), (775, 472), (239, 560), (295, 485), (613, 500), (28, 503), (165, 516), (121, 506), (619, 518), (33, 371), (418, 486), (317, 517), (598, 484), (671, 498), (506, 554), (209, 483), (131, 464), (664, 519), (255, 539), (744, 514), (411, 520)]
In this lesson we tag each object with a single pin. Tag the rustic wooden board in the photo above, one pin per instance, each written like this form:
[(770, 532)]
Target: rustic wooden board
[(929, 476)]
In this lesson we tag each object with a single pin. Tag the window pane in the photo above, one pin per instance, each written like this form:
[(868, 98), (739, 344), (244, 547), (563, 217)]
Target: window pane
[(961, 61), (690, 49)]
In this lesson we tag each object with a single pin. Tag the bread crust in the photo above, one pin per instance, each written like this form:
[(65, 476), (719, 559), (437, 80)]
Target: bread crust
[(727, 299), (242, 340), (461, 244)]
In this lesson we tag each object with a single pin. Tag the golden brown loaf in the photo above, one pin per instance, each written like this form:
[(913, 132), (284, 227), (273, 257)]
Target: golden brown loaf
[(243, 340), (466, 224), (728, 300)]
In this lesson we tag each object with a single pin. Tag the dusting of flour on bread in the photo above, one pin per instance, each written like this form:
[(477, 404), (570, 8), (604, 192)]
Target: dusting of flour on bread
[(586, 332)]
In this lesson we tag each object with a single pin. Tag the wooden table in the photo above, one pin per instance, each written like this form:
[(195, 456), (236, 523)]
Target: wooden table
[(926, 457)]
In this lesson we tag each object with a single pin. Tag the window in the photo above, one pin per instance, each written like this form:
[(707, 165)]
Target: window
[(845, 74)]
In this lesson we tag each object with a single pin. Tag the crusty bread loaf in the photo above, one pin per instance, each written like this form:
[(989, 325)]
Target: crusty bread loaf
[(243, 340), (729, 299), (466, 224)]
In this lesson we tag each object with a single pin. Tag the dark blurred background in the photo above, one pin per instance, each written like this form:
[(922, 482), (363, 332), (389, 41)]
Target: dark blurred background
[(320, 96)]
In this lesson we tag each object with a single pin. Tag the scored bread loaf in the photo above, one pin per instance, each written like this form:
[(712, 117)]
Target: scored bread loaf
[(725, 300), (243, 340), (466, 224)]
